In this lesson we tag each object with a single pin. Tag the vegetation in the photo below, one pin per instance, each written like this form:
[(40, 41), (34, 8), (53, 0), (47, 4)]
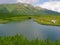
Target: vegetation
[(24, 9), (47, 19), (21, 11), (8, 18), (20, 40), (42, 19)]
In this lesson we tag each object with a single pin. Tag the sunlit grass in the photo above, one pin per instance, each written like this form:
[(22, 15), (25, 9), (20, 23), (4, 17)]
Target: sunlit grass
[(47, 19), (13, 18), (42, 19)]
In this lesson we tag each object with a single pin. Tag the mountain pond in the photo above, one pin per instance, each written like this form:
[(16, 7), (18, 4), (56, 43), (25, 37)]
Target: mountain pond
[(30, 30)]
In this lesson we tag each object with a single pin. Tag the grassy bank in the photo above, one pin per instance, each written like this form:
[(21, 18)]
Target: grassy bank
[(20, 40), (6, 19), (47, 20), (42, 19)]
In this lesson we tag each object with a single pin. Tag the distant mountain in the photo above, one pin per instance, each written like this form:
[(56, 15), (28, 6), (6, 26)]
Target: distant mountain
[(24, 9), (46, 11)]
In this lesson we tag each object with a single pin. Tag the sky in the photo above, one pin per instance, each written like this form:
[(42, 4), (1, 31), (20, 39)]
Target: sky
[(48, 4)]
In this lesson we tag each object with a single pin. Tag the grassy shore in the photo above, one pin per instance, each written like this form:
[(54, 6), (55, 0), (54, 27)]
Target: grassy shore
[(43, 19), (13, 18), (47, 20), (20, 40)]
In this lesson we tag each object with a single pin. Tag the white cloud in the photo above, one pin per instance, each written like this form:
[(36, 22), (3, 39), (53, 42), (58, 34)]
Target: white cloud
[(27, 1), (16, 1), (53, 5)]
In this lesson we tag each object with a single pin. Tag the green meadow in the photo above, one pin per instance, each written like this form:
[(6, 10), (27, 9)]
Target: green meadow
[(10, 18), (42, 19), (47, 20)]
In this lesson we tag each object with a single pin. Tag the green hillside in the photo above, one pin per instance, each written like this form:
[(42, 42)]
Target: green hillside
[(24, 9), (3, 9)]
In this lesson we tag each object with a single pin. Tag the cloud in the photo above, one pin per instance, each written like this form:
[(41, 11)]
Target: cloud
[(27, 1), (16, 1), (52, 5)]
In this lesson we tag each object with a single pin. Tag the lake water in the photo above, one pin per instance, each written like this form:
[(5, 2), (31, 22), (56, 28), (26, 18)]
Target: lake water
[(30, 30)]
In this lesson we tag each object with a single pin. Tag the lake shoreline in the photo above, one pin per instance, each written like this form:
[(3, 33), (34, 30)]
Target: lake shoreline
[(46, 24), (35, 18), (47, 20)]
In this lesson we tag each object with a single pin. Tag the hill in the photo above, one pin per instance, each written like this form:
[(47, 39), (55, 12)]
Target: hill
[(24, 9)]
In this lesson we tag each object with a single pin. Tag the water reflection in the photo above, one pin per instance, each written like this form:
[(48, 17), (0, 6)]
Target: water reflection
[(30, 29)]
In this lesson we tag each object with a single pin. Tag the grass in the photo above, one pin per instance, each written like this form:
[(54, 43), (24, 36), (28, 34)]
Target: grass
[(20, 40), (46, 20), (6, 19), (42, 19)]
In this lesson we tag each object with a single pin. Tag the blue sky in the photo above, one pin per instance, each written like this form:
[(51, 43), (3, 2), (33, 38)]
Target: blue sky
[(43, 1), (49, 4)]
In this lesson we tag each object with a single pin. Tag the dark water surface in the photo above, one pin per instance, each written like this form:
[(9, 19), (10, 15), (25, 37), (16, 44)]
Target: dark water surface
[(30, 29)]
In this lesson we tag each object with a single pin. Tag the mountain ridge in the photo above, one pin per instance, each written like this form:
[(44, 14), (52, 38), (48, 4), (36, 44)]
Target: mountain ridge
[(24, 9)]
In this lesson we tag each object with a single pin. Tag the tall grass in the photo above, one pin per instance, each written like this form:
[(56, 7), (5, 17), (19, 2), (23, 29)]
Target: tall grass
[(20, 40)]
